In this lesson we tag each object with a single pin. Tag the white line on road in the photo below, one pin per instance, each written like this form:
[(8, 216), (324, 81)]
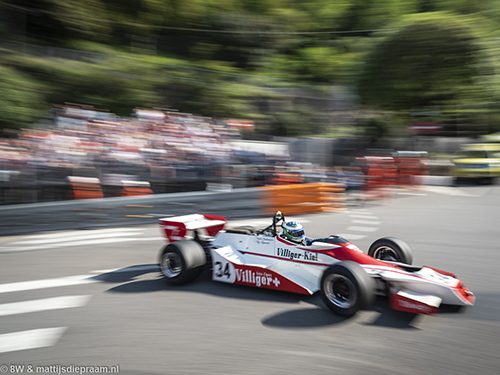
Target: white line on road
[(36, 338), (147, 267), (366, 222), (47, 283), (45, 304), (81, 236), (352, 237), (70, 280), (363, 216), (70, 243), (79, 232), (447, 190), (362, 229), (148, 239)]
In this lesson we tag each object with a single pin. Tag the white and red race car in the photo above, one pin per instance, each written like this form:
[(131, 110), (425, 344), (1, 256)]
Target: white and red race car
[(347, 278)]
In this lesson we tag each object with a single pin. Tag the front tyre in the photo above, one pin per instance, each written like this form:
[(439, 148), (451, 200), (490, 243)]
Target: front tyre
[(182, 261), (346, 288), (391, 249)]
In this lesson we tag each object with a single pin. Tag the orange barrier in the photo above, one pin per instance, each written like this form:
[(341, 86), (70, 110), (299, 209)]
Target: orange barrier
[(304, 198), (408, 169), (84, 187), (286, 178), (135, 188)]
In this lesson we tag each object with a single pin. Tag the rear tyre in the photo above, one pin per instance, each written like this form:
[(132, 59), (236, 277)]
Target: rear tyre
[(346, 288), (182, 261), (391, 249)]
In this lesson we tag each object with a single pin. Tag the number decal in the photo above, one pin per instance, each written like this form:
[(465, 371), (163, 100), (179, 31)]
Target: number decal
[(219, 272), (222, 268), (227, 271), (218, 269)]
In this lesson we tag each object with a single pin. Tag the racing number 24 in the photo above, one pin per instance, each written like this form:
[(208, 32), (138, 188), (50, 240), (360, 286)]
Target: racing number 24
[(221, 270)]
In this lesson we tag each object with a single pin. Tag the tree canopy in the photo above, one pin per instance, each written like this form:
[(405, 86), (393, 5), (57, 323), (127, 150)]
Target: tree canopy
[(426, 61), (224, 56)]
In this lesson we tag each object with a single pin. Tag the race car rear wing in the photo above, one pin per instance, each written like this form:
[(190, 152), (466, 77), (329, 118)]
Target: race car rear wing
[(177, 228)]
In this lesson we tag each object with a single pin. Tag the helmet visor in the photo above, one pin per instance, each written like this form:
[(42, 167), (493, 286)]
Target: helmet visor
[(297, 233)]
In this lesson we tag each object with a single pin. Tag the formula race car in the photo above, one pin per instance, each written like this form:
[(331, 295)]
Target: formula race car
[(347, 278)]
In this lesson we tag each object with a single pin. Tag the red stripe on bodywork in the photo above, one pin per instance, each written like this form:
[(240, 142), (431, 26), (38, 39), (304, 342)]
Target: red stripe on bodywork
[(340, 252)]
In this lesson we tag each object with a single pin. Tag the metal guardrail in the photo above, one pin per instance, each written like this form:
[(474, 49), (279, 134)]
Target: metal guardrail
[(123, 211)]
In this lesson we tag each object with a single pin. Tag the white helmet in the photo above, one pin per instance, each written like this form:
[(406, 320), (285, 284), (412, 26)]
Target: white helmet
[(294, 231)]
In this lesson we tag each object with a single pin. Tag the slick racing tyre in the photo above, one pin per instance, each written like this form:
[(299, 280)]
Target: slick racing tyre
[(346, 288), (392, 250), (182, 261)]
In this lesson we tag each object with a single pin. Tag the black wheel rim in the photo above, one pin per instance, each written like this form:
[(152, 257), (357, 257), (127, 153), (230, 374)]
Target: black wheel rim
[(171, 265), (340, 291), (386, 253)]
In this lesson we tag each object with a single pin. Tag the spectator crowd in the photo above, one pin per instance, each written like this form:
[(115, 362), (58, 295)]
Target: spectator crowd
[(163, 151), (169, 150)]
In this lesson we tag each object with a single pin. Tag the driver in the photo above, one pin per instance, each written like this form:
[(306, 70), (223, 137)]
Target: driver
[(294, 232)]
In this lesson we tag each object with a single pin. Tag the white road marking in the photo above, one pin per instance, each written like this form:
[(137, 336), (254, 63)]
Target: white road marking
[(70, 234), (63, 302), (412, 193), (366, 222), (70, 280), (66, 238), (47, 241), (71, 243), (148, 267), (362, 229), (148, 239), (47, 283), (352, 237), (36, 338), (454, 191), (364, 216)]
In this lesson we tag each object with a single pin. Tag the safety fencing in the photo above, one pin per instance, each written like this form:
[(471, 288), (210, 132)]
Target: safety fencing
[(147, 209)]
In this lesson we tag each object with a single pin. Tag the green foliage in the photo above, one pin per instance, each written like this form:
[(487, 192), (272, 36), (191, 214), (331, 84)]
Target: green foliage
[(373, 127), (429, 60), (299, 121), (20, 99), (205, 56)]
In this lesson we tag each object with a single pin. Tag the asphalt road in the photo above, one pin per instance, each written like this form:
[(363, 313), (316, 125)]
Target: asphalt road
[(95, 298)]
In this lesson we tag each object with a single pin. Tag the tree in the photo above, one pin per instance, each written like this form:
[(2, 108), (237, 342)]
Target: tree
[(20, 99), (430, 60)]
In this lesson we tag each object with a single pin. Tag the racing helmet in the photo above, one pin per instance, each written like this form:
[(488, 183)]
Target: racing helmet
[(294, 231)]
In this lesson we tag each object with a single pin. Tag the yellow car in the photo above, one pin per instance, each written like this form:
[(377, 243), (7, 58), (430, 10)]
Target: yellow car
[(480, 162)]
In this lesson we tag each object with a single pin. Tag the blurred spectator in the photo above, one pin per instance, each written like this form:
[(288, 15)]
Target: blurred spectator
[(172, 151)]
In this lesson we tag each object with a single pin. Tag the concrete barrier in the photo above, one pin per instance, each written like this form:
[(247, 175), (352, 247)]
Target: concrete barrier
[(123, 211)]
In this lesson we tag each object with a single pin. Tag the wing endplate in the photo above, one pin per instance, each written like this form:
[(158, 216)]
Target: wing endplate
[(405, 300), (176, 228)]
